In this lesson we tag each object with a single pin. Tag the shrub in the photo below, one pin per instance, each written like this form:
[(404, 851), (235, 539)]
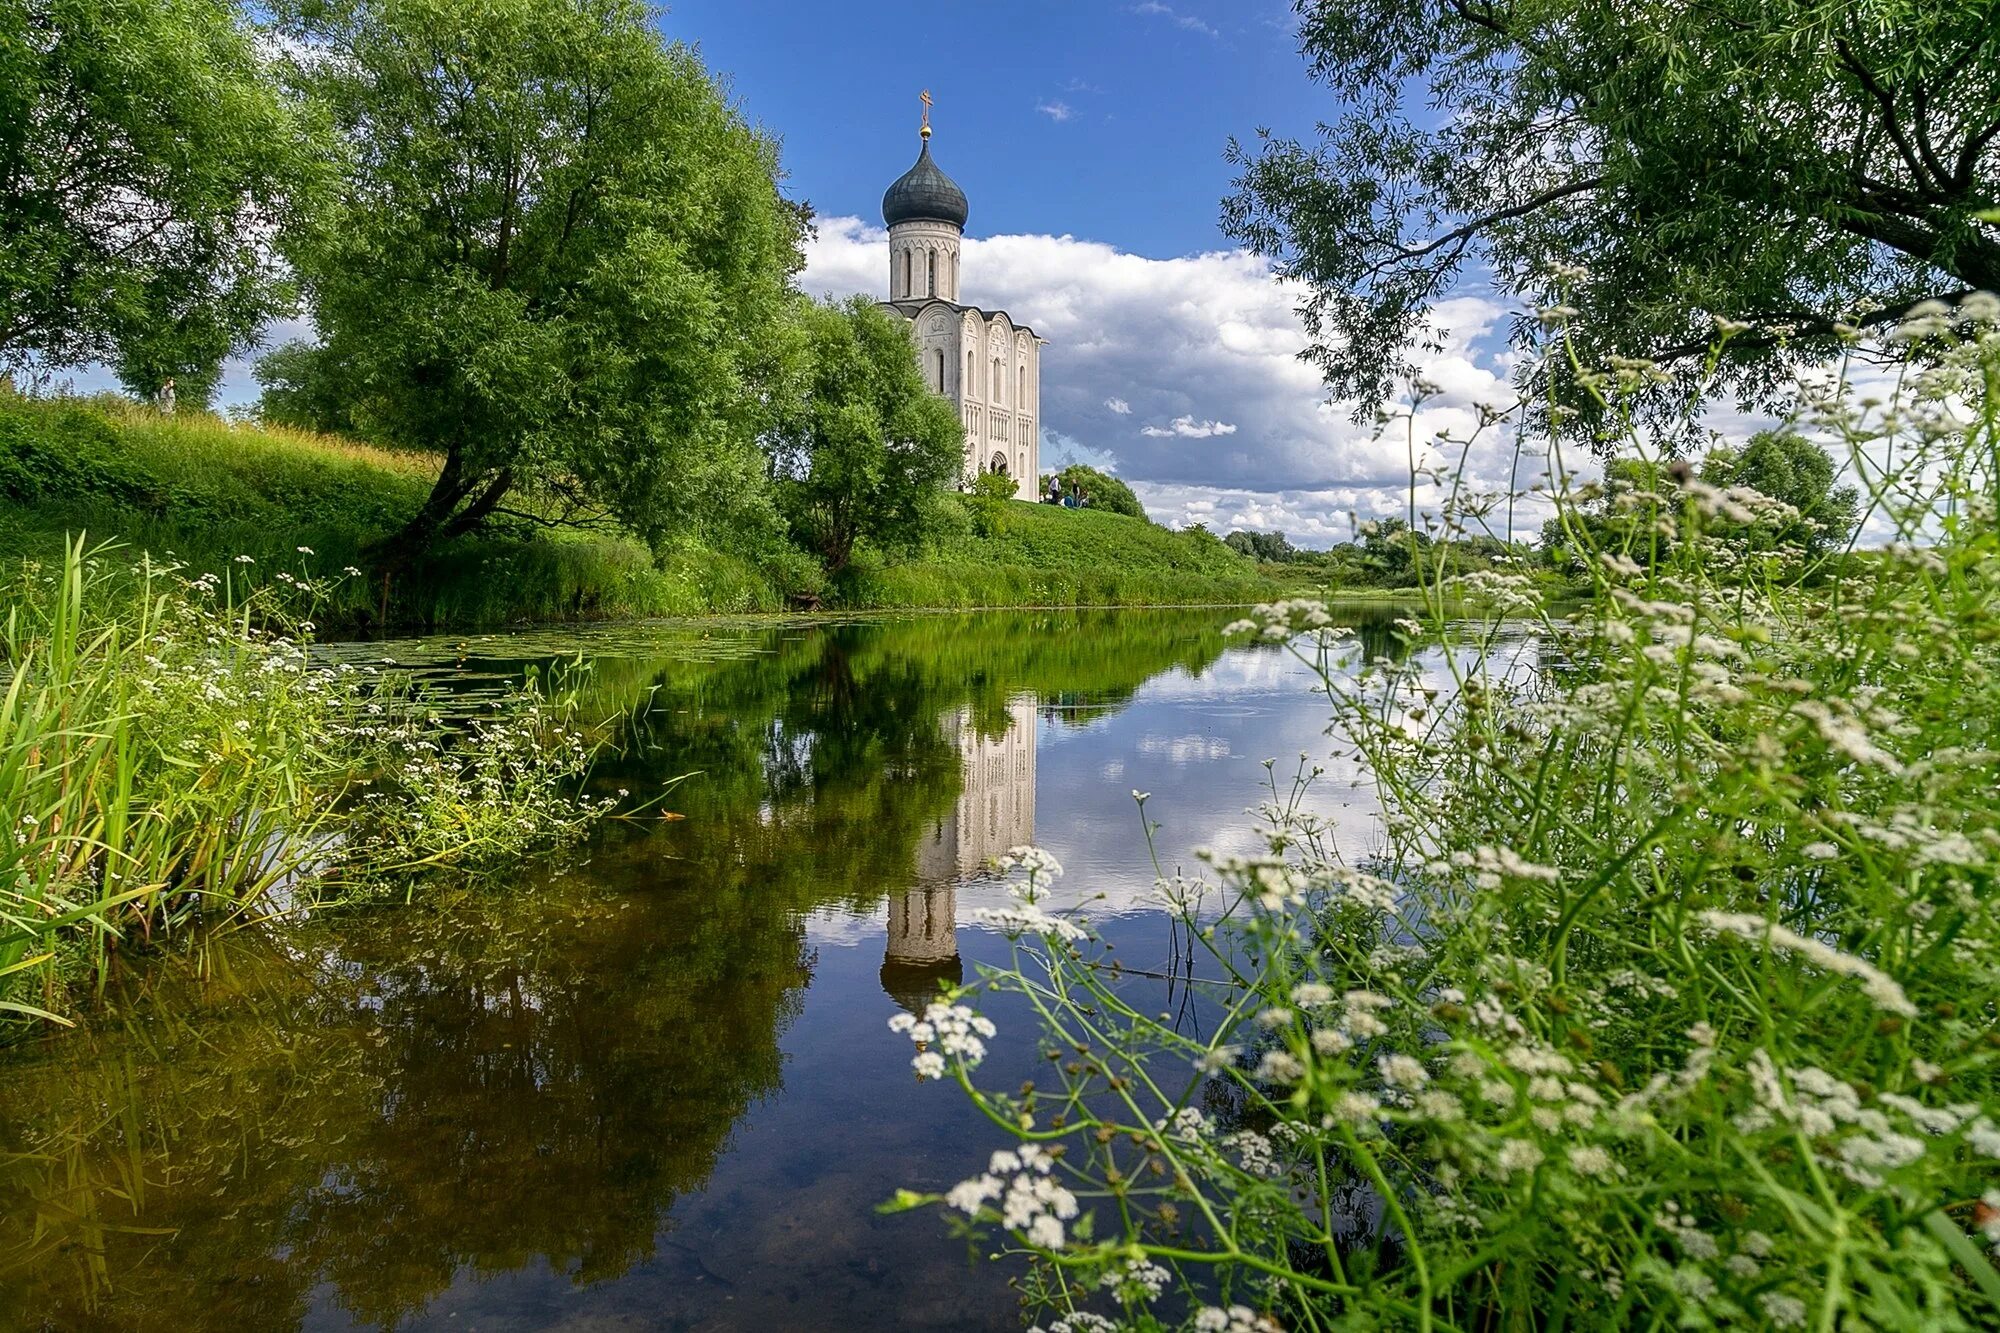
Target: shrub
[(163, 758), (1107, 493)]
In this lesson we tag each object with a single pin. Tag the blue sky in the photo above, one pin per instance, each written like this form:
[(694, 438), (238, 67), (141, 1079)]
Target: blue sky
[(1103, 119)]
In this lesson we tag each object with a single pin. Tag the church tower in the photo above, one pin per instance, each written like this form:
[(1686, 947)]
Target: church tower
[(986, 364), (926, 213)]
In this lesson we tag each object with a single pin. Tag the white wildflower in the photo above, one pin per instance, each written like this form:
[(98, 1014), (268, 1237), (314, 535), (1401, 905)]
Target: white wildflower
[(1403, 1071), (1880, 988), (1518, 1155)]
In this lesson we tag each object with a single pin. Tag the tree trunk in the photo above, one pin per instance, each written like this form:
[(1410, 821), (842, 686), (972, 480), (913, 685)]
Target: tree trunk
[(440, 517)]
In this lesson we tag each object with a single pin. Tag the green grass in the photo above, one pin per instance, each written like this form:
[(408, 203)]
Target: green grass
[(207, 491), (1040, 555)]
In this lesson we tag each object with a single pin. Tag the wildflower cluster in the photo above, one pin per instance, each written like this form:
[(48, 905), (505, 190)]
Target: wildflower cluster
[(1670, 997), (955, 1032)]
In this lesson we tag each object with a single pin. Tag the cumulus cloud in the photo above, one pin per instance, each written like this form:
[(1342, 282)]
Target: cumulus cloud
[(1056, 111), (1060, 451), (1209, 344), (1189, 428)]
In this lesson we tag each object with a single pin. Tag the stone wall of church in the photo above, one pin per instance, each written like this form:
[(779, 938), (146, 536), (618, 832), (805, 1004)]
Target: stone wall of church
[(923, 261), (1000, 398)]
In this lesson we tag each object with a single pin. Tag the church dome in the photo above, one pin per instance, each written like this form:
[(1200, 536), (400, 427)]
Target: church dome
[(923, 193)]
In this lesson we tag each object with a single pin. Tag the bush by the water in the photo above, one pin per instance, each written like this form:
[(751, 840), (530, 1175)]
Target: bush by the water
[(1669, 1000), (164, 757)]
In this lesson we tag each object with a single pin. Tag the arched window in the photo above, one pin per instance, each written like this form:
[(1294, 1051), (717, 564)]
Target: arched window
[(933, 272), (906, 273), (971, 388), (999, 381), (939, 386), (1021, 399)]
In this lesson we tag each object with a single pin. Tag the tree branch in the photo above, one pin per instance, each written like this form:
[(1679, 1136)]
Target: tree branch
[(1466, 232), (1810, 327), (1887, 101), (1483, 17)]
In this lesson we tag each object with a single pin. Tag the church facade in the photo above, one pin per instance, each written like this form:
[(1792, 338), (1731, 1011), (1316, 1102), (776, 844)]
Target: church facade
[(988, 365)]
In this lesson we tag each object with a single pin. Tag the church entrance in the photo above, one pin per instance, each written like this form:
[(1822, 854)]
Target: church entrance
[(999, 463)]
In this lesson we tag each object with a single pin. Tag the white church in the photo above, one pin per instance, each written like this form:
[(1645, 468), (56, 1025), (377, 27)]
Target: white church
[(982, 360)]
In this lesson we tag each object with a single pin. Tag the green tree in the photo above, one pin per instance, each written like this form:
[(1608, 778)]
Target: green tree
[(184, 344), (1621, 515), (302, 387), (1787, 466), (864, 448), (1106, 492), (1270, 546), (556, 258), (1791, 164), (145, 150)]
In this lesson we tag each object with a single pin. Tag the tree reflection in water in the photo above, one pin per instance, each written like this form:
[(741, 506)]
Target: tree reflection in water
[(365, 1108)]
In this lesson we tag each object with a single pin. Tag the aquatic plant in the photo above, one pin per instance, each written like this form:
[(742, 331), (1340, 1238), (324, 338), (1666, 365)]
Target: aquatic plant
[(167, 755), (1670, 1000)]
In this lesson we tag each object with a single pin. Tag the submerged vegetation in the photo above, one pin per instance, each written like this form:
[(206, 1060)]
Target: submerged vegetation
[(1669, 1000)]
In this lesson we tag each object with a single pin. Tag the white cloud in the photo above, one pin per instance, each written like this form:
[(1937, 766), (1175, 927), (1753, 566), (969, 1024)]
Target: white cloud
[(1189, 428), (1056, 111), (1178, 19), (1060, 450), (1209, 343)]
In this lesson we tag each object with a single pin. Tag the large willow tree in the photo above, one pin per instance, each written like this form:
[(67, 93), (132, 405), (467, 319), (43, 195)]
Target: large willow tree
[(555, 259), (1799, 165), (146, 152)]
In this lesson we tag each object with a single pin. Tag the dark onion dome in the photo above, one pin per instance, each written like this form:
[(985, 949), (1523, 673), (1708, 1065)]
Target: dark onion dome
[(925, 194)]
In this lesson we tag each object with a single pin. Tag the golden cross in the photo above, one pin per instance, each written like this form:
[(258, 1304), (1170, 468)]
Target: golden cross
[(925, 97)]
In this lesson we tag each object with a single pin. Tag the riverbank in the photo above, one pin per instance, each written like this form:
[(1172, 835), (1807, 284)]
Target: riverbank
[(254, 504)]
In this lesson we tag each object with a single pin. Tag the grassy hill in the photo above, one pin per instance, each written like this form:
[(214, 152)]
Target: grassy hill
[(209, 492)]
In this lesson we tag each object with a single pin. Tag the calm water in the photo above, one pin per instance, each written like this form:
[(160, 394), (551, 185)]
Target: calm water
[(656, 1091)]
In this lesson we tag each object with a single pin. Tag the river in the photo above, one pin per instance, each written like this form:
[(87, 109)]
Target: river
[(653, 1089)]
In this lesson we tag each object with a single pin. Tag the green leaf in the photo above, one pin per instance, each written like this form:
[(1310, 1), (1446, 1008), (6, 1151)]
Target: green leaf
[(906, 1201), (1965, 1254)]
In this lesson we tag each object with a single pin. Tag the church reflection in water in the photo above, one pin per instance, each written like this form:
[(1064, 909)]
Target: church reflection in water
[(995, 812)]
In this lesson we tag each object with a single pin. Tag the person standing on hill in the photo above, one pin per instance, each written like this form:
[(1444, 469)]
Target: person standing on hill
[(164, 399)]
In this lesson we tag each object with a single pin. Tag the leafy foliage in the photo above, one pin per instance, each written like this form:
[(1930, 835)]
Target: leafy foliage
[(1105, 491), (145, 152), (1272, 546), (864, 452), (1797, 166), (556, 258), (1789, 468), (1793, 514)]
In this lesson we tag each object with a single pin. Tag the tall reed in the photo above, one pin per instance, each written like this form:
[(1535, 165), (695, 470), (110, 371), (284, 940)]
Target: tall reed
[(166, 755)]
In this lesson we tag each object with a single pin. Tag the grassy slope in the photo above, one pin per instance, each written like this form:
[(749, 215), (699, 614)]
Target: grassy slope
[(208, 492)]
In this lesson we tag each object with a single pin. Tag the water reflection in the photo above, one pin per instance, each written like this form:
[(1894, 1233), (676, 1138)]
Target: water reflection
[(640, 1089), (995, 812)]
